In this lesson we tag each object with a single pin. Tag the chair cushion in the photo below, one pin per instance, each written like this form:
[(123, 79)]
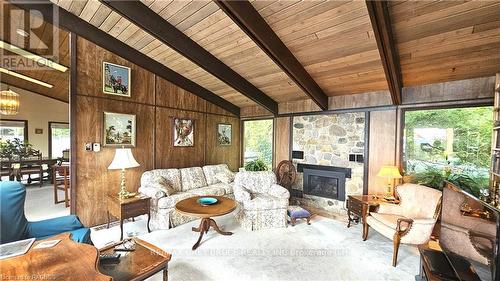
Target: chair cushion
[(170, 201), (225, 177), (211, 170), (389, 220), (207, 191), (173, 176), (228, 187), (192, 178), (418, 201), (264, 202)]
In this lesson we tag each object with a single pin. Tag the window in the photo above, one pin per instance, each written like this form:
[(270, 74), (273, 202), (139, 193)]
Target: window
[(449, 144), (59, 139), (258, 141), (13, 129)]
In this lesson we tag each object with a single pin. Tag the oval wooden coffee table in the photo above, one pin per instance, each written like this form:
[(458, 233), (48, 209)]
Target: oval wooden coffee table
[(191, 207)]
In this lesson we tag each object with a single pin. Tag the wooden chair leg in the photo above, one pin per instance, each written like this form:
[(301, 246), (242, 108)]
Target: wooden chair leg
[(397, 241), (365, 231), (55, 192)]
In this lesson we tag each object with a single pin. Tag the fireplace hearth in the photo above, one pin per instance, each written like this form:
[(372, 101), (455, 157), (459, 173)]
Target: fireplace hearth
[(324, 181)]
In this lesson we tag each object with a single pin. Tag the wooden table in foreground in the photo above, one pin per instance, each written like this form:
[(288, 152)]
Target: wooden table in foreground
[(68, 260), (140, 264), (191, 207)]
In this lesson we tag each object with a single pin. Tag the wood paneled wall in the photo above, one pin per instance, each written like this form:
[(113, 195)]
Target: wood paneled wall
[(155, 102), (281, 140)]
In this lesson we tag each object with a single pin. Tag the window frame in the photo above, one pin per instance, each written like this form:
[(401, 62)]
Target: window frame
[(25, 127), (50, 134), (242, 137)]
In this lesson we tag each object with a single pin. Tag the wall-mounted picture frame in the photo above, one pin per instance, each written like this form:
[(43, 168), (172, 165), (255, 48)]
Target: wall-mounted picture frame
[(119, 129), (224, 134), (183, 132), (116, 79)]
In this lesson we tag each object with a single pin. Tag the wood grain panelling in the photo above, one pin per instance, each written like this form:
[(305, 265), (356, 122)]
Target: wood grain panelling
[(254, 111), (440, 41), (168, 156), (360, 100), (382, 147), (217, 154), (155, 102), (90, 59), (94, 180), (281, 140), (298, 106)]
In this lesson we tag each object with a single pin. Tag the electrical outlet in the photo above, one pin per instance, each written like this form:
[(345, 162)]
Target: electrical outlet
[(96, 147), (88, 146)]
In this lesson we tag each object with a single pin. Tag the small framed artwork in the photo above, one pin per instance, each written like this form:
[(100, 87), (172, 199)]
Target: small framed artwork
[(116, 79), (119, 129), (224, 134), (38, 131), (183, 132)]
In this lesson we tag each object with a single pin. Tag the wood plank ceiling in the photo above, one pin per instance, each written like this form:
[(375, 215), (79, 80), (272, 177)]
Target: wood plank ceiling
[(43, 47)]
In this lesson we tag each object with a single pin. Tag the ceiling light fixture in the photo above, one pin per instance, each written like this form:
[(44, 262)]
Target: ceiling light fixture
[(24, 77), (9, 102), (36, 58), (22, 32)]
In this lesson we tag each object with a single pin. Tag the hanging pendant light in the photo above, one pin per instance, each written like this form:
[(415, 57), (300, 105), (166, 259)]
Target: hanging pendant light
[(9, 102)]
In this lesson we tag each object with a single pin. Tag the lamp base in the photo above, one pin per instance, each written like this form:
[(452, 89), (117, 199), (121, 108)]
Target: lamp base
[(123, 194)]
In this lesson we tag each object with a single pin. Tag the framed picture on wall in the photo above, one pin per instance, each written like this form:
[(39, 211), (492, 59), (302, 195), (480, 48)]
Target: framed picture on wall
[(224, 134), (183, 132), (119, 129), (116, 79)]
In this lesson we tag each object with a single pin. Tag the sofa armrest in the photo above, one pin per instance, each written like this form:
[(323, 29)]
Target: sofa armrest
[(279, 191), (152, 192), (50, 227), (241, 194)]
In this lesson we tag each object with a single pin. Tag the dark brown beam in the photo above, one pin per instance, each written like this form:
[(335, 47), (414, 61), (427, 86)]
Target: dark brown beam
[(251, 22), (84, 29), (154, 24), (379, 16)]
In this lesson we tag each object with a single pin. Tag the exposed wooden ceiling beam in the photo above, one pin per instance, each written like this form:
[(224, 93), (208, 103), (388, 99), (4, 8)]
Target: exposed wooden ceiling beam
[(379, 16), (154, 24), (251, 22), (84, 29)]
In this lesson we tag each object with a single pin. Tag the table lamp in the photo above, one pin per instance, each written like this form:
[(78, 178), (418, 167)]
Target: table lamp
[(391, 173), (123, 160)]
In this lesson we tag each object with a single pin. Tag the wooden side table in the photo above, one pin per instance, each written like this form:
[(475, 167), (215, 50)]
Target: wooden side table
[(358, 207), (128, 208)]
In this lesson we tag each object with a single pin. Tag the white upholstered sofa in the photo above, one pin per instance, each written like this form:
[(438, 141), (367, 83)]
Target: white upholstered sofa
[(187, 182), (262, 203)]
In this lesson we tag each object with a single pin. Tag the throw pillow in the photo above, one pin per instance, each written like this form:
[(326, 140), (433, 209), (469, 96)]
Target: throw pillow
[(163, 185), (225, 177)]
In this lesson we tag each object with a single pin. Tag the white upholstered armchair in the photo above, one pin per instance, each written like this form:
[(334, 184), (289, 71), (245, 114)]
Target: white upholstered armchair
[(409, 222), (261, 202)]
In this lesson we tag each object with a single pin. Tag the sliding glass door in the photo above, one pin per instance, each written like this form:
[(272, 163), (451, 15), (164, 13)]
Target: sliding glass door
[(59, 139)]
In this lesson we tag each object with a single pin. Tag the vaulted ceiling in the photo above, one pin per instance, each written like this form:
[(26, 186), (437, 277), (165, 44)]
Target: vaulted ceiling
[(336, 42)]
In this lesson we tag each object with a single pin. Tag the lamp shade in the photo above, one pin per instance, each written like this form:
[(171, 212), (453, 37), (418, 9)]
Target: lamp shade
[(389, 172), (9, 102), (123, 159)]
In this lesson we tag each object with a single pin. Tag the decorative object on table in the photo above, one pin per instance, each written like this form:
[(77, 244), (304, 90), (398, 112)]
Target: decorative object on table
[(224, 134), (296, 212), (47, 244), (116, 79), (207, 201), (119, 129), (256, 166), (146, 260), (128, 208), (14, 225), (391, 173), (191, 207), (9, 102), (124, 159), (263, 203), (183, 132), (411, 221), (286, 174)]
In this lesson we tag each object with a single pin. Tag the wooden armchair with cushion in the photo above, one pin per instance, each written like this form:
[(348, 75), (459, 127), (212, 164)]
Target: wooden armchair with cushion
[(411, 221)]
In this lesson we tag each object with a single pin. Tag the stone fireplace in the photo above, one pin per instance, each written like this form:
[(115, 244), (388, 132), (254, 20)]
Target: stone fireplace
[(327, 173)]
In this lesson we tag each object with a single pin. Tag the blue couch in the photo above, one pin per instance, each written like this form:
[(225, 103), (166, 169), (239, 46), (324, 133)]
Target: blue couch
[(14, 226)]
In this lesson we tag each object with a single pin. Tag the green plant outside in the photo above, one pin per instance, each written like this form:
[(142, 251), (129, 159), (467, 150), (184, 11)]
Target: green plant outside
[(258, 140), (15, 147)]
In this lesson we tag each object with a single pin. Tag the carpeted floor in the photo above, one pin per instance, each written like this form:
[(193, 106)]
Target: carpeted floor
[(39, 204), (324, 250)]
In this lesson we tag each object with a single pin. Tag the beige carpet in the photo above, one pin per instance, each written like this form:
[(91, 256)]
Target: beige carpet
[(324, 250), (39, 204)]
